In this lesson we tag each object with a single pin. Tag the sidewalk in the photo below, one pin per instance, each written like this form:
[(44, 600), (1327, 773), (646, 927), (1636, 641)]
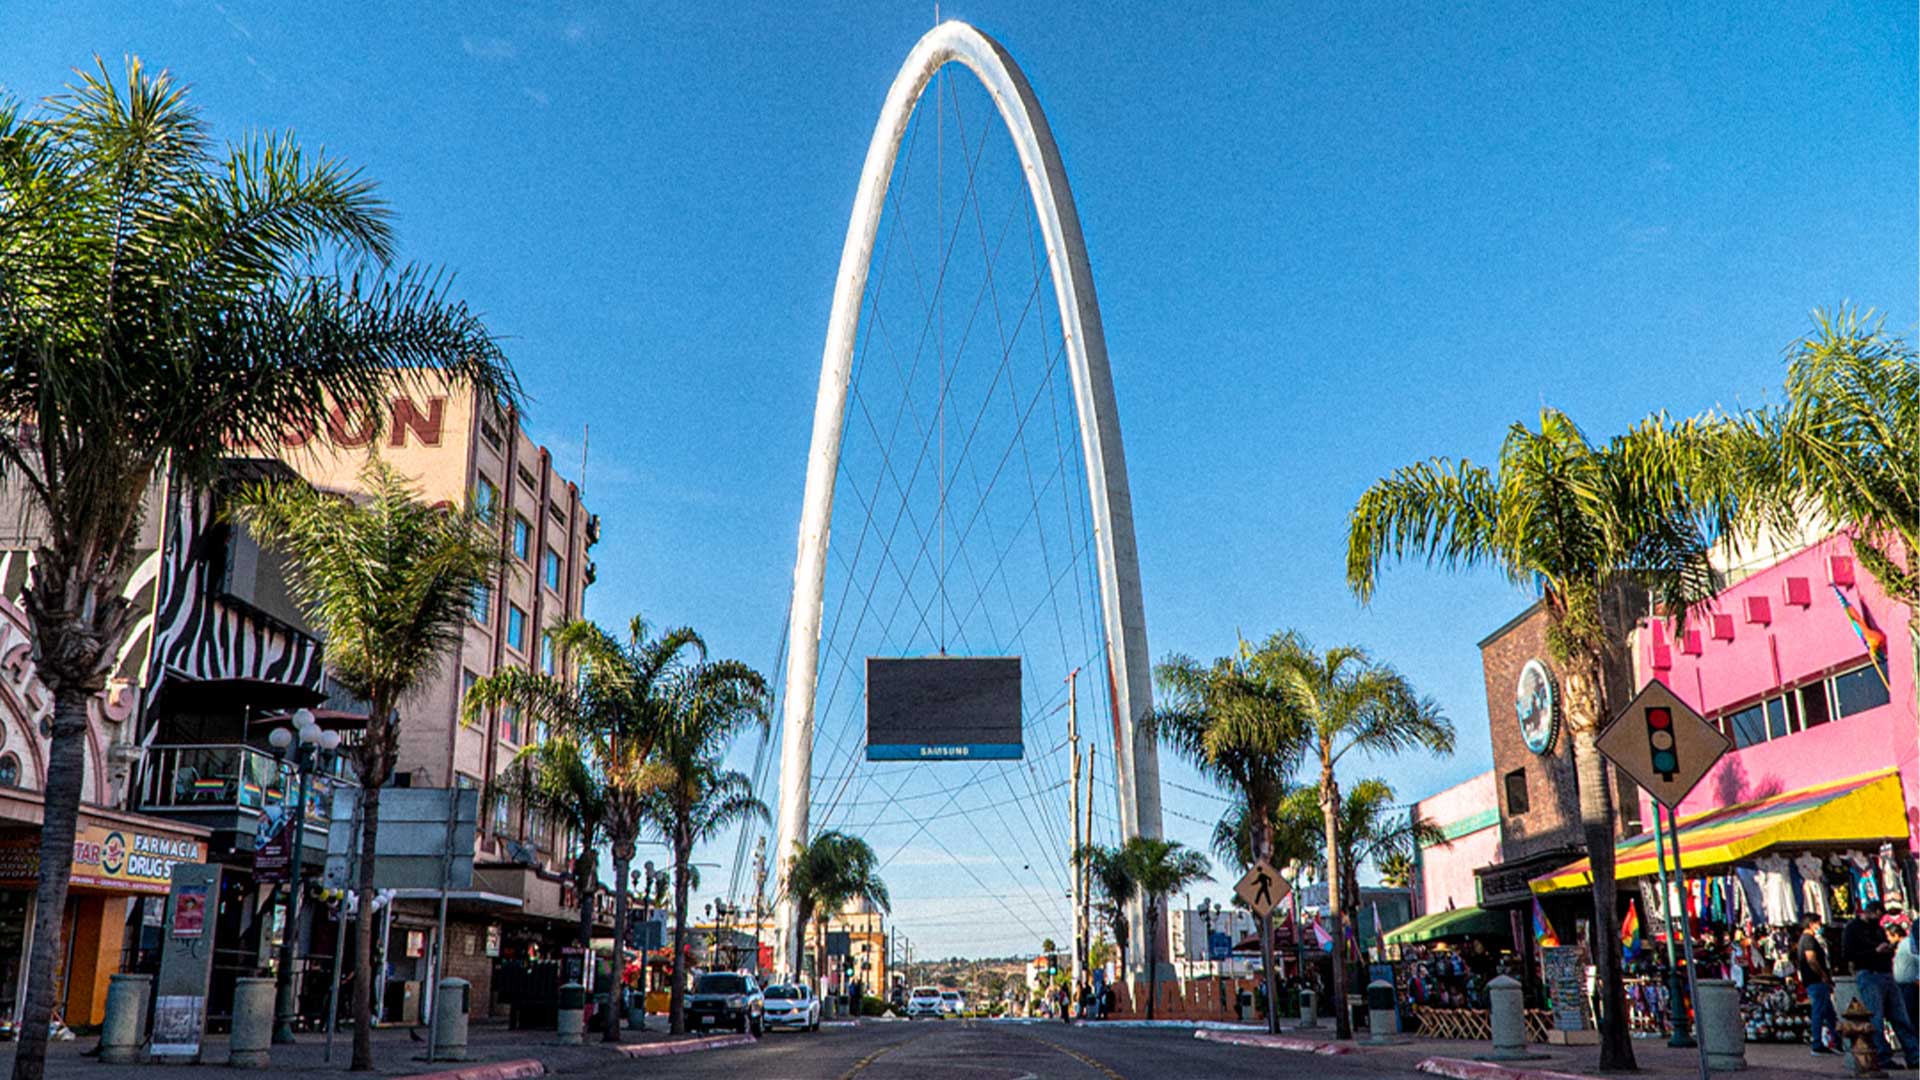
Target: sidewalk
[(1765, 1061), (396, 1053)]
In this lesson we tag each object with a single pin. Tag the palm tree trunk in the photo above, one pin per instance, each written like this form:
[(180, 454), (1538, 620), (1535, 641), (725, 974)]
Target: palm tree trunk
[(622, 862), (1153, 960), (682, 857), (1336, 885), (585, 886), (1596, 831), (363, 973), (66, 760)]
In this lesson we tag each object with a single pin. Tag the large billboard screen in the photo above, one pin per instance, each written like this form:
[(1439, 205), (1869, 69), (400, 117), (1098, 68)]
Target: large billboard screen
[(943, 708)]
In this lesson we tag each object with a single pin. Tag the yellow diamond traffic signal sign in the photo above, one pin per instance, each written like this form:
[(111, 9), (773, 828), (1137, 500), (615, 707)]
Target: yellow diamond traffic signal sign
[(1661, 743)]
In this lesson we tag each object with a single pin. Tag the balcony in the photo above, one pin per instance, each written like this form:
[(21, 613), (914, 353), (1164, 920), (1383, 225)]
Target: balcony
[(224, 786)]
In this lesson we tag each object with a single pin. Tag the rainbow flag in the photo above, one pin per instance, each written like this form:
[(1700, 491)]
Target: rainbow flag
[(1630, 933), (1874, 640), (1542, 929)]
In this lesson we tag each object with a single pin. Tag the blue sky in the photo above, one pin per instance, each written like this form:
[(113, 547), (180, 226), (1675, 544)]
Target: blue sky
[(1329, 239)]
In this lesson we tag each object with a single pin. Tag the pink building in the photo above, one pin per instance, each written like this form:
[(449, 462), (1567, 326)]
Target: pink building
[(1468, 817), (1776, 663)]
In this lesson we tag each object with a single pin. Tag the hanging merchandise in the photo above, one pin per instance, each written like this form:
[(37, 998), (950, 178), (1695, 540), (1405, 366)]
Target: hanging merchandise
[(1866, 882), (1776, 890), (1891, 887), (1813, 887)]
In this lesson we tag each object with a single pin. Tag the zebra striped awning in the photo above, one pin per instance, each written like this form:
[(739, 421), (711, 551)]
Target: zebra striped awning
[(1858, 809)]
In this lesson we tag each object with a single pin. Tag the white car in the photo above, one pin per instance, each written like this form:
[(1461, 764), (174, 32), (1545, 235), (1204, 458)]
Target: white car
[(792, 1005), (925, 1001), (952, 1003)]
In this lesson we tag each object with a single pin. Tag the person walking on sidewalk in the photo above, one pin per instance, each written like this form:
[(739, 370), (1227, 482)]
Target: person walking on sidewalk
[(1810, 960), (1906, 967), (1865, 946)]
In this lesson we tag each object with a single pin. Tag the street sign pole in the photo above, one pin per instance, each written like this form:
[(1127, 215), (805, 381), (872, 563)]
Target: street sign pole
[(1686, 930), (440, 935), (340, 934), (1676, 1003)]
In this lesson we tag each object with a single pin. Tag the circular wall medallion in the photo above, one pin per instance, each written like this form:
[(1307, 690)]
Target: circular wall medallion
[(1537, 704)]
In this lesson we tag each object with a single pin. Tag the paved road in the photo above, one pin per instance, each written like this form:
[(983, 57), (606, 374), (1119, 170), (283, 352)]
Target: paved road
[(965, 1050)]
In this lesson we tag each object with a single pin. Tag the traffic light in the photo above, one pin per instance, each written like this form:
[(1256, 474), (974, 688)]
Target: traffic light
[(1665, 760), (1053, 963)]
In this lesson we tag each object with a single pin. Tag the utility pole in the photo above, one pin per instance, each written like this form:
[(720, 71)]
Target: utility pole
[(759, 897), (1079, 881), (1086, 877)]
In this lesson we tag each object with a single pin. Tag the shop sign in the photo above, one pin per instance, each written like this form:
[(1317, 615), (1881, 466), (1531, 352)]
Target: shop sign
[(493, 939), (1536, 703), (105, 857), (190, 911), (1566, 973)]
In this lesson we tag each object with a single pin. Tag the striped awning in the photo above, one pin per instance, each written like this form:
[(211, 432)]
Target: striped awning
[(1858, 809)]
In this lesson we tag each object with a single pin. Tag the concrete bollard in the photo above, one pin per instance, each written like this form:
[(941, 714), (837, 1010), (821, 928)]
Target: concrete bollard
[(1383, 1019), (123, 1033), (573, 1014), (450, 1020), (252, 1038), (1508, 1018), (1722, 1035), (1309, 1009)]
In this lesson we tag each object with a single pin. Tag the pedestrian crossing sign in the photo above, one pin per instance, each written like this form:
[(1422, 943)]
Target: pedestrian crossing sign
[(1262, 889)]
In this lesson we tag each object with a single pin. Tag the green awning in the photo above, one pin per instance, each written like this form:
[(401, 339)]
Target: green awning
[(1460, 922)]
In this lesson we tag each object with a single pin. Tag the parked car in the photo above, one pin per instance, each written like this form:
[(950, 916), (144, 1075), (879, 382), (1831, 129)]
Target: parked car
[(726, 999), (952, 1003), (925, 1001), (792, 1005)]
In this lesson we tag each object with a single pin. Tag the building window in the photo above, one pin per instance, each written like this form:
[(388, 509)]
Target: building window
[(546, 653), (1815, 707), (510, 724), (550, 570), (1783, 715), (542, 832), (558, 515), (1858, 690), (516, 627), (1747, 727), (491, 434), (9, 771), (467, 679), (502, 815), (1516, 792), (526, 477), (485, 497), (522, 537), (465, 782), (482, 604)]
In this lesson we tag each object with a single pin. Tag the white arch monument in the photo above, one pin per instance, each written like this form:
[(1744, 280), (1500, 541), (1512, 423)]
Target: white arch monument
[(1106, 470)]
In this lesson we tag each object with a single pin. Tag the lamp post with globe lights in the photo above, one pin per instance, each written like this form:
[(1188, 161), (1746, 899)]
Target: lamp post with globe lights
[(306, 749)]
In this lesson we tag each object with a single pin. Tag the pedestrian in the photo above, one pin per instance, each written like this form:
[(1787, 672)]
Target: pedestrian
[(1065, 998), (1086, 1001), (1106, 1002), (1906, 966), (1810, 960), (1865, 945)]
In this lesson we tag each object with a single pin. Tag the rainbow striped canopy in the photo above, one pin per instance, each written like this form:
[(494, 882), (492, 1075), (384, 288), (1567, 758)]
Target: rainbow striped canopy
[(1857, 809)]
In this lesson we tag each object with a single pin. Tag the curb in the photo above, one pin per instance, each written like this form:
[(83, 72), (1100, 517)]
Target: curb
[(1461, 1069), (1199, 1025), (1284, 1042), (656, 1049), (518, 1069)]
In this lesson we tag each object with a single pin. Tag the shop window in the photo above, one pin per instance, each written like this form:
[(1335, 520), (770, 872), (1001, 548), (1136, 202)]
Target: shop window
[(482, 603), (9, 771), (1858, 690), (1815, 707), (1516, 792), (516, 627), (522, 537), (1747, 727), (550, 570)]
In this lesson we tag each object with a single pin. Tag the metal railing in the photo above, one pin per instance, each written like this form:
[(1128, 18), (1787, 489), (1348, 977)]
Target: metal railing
[(215, 776)]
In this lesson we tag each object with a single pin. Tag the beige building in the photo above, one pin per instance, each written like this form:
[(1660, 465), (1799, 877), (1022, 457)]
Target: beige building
[(456, 446)]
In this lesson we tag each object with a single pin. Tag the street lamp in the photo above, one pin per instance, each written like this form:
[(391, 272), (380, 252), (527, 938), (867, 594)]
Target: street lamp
[(305, 748), (1296, 874)]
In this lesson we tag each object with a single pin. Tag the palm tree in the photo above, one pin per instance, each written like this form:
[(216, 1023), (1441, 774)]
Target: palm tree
[(1160, 868), (1241, 731), (1351, 704), (157, 307), (1110, 874), (1373, 829), (707, 705), (613, 708), (1843, 447), (1574, 521), (823, 876), (389, 583), (558, 778)]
